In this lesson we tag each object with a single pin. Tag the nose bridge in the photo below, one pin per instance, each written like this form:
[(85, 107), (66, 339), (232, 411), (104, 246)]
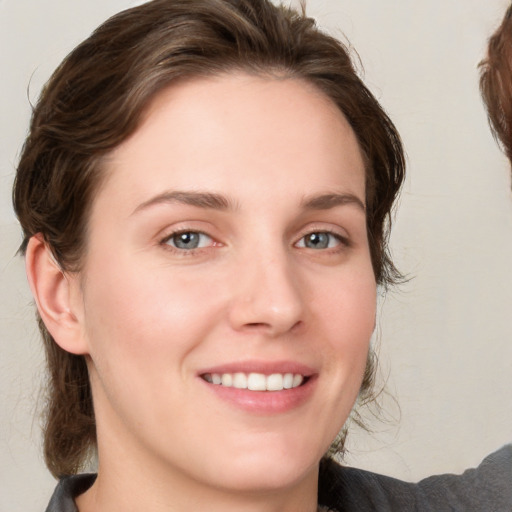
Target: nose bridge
[(268, 293)]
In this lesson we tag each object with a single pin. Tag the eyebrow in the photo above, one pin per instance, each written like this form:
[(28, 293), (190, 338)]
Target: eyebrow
[(332, 200), (207, 200), (211, 200)]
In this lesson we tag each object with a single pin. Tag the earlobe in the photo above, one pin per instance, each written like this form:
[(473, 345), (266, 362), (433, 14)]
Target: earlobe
[(54, 290)]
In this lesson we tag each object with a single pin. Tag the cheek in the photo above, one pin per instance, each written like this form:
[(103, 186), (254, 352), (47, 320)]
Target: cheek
[(349, 305), (142, 328), (348, 312), (142, 315)]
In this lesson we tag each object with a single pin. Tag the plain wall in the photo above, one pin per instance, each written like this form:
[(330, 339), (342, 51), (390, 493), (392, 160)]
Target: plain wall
[(445, 337)]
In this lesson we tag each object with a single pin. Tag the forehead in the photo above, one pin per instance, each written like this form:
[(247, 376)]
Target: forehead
[(211, 132)]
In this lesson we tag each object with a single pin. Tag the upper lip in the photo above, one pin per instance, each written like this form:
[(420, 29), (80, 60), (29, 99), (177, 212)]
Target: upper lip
[(264, 367)]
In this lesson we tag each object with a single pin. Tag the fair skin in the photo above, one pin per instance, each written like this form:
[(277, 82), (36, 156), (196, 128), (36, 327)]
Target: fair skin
[(229, 238)]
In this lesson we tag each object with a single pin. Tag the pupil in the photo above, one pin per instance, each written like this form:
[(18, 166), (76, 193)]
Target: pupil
[(318, 240), (187, 240)]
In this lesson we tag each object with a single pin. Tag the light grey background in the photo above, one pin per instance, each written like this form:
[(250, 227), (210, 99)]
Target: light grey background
[(445, 338)]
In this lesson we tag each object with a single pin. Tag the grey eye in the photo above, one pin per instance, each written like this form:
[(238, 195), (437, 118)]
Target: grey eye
[(188, 240), (318, 240)]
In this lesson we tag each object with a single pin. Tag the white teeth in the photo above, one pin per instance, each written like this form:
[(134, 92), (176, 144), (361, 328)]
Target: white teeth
[(288, 380), (240, 381), (256, 381), (275, 382), (227, 379)]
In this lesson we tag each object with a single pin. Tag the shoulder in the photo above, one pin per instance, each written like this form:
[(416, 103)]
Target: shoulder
[(68, 488), (487, 487), (354, 490)]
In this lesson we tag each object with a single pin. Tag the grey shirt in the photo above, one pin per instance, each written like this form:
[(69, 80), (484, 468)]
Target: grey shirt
[(487, 488)]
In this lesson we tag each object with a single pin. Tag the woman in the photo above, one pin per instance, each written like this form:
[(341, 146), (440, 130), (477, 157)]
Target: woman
[(205, 195)]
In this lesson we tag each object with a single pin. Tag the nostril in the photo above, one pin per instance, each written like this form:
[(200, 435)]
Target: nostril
[(297, 326)]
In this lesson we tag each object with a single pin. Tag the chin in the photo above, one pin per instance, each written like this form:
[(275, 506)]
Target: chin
[(269, 470), (270, 479)]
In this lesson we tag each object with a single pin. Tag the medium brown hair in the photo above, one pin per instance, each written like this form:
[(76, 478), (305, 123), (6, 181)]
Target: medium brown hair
[(95, 100), (496, 83)]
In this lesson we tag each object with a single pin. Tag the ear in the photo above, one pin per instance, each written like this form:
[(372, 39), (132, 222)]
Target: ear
[(56, 293)]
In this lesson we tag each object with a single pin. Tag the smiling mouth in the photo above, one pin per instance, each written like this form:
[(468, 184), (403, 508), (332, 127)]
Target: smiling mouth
[(256, 381)]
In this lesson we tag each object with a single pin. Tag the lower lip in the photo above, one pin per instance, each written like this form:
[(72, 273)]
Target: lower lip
[(264, 402)]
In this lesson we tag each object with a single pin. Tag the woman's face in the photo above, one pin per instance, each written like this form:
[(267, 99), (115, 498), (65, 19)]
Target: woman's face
[(228, 243)]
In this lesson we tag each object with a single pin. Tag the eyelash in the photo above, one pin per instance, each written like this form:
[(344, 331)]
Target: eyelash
[(183, 251), (342, 242)]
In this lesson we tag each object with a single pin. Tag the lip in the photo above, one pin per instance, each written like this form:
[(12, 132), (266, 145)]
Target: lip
[(265, 367), (262, 402)]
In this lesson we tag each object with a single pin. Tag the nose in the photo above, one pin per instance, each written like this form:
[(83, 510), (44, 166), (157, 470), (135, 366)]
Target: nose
[(268, 296)]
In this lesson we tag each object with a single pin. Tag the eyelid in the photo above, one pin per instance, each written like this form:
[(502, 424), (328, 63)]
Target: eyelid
[(186, 232), (342, 241), (335, 231), (169, 234)]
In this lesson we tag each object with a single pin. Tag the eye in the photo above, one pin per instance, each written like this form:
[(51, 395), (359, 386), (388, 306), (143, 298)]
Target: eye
[(188, 240), (319, 240)]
